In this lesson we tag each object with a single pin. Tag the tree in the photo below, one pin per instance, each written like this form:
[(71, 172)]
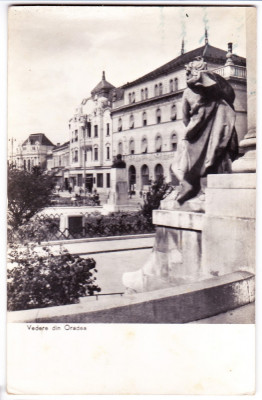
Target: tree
[(158, 191), (28, 193)]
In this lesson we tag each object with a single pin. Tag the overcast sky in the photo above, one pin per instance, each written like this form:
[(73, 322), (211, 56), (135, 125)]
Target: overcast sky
[(57, 54)]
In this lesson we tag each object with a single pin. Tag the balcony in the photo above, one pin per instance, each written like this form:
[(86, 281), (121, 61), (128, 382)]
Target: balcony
[(231, 71)]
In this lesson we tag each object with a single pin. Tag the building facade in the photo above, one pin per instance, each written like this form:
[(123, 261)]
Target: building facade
[(90, 131), (147, 113), (58, 163), (34, 151)]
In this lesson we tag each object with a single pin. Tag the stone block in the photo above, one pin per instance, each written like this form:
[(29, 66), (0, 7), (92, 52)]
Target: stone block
[(232, 181), (178, 219), (239, 203), (228, 245)]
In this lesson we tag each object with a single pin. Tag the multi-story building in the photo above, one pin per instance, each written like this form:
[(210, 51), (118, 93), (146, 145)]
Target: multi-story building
[(58, 163), (147, 113), (33, 151), (91, 140)]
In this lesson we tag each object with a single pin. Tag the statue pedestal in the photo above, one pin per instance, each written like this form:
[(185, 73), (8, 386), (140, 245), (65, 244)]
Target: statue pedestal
[(193, 246), (119, 192), (228, 239)]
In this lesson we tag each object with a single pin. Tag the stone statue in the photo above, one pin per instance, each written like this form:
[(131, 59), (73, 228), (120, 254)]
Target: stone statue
[(209, 141)]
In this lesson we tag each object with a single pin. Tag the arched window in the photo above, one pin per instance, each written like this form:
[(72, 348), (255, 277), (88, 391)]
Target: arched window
[(132, 177), (145, 175), (176, 83), (120, 127), (159, 171), (160, 89), (173, 112), (158, 116), (173, 141), (156, 90), (120, 148), (131, 122), (144, 145), (132, 146), (158, 143), (144, 118), (146, 93), (130, 97), (96, 153), (142, 94), (171, 86)]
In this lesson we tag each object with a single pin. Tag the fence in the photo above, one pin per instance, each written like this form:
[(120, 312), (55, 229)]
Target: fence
[(45, 228)]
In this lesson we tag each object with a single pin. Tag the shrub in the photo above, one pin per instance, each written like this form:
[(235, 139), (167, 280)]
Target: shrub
[(36, 280), (158, 191)]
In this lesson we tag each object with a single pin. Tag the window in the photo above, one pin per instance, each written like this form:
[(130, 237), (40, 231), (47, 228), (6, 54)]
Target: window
[(120, 148), (158, 116), (144, 119), (160, 89), (146, 93), (95, 130), (133, 97), (85, 155), (130, 97), (25, 164), (156, 90), (99, 180), (173, 112), (142, 94), (158, 171), (108, 180), (107, 152), (28, 165), (176, 83), (120, 125), (89, 129), (107, 129), (76, 156), (174, 142), (131, 122), (171, 87), (158, 144), (144, 145), (132, 146), (145, 175), (96, 153)]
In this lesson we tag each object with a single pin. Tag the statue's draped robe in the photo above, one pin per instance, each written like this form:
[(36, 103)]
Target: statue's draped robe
[(210, 138)]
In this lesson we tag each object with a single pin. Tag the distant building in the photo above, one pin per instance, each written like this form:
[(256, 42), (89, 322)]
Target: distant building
[(58, 163), (91, 140), (147, 113), (34, 151)]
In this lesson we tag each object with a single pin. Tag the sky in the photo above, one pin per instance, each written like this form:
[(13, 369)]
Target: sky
[(56, 54)]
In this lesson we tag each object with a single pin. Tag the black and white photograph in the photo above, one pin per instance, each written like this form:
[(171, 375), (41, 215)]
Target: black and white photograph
[(131, 190)]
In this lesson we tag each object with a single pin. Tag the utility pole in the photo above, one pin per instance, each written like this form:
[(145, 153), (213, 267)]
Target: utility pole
[(12, 140)]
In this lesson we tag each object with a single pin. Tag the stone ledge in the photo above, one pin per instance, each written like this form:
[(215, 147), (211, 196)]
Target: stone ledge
[(180, 304), (178, 219), (232, 181)]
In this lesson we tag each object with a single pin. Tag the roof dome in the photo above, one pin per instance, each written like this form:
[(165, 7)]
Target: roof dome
[(103, 87)]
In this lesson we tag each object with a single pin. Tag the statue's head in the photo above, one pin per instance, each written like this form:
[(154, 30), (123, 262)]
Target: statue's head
[(195, 66)]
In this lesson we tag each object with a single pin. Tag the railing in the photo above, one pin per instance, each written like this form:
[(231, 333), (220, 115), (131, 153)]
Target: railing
[(46, 227), (228, 71)]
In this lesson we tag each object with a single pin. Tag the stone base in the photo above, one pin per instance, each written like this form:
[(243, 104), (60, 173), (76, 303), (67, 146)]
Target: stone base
[(228, 239), (176, 256), (196, 204)]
